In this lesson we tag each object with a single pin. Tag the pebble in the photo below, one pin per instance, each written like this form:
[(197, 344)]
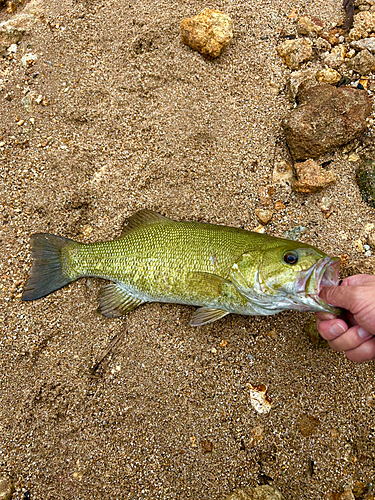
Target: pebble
[(300, 80), (263, 215), (328, 75), (283, 174), (365, 177), (371, 240), (336, 57), (263, 492), (12, 31), (332, 36), (307, 25), (13, 48), (307, 425), (209, 32), (326, 117), (259, 398), (363, 63), (295, 52), (311, 177), (365, 43), (295, 233), (28, 59), (6, 486)]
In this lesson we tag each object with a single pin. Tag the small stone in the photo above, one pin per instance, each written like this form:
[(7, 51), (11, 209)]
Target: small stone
[(326, 117), (256, 435), (365, 21), (358, 245), (366, 43), (336, 57), (311, 177), (279, 205), (295, 233), (12, 31), (263, 492), (283, 174), (207, 446), (29, 60), (263, 215), (371, 240), (6, 486), (12, 49), (354, 157), (322, 45), (209, 32), (363, 63), (300, 80), (307, 25), (328, 75), (332, 36), (295, 52), (347, 494), (259, 398), (365, 177), (307, 425)]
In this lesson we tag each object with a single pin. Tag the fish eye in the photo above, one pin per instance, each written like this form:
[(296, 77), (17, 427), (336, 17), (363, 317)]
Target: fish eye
[(291, 257)]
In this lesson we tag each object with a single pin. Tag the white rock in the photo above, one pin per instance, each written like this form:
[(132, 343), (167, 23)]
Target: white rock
[(365, 43)]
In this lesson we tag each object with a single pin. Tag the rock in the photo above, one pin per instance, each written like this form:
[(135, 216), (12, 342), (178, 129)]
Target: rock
[(332, 36), (311, 177), (311, 331), (347, 494), (208, 32), (366, 43), (336, 57), (307, 25), (264, 492), (365, 21), (279, 205), (300, 80), (295, 52), (264, 216), (28, 60), (322, 45), (363, 63), (6, 486), (283, 174), (259, 398), (328, 75), (295, 233), (12, 31), (371, 240), (307, 425), (207, 446), (326, 118), (365, 177)]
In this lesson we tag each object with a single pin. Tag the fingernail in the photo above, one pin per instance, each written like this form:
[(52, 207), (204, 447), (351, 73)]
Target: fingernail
[(337, 329), (363, 333), (326, 316)]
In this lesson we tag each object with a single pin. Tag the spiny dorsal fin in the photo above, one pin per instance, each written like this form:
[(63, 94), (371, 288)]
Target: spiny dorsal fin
[(142, 218), (205, 315), (114, 301)]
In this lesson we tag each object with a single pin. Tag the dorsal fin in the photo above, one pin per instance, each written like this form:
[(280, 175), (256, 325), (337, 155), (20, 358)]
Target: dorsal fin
[(142, 218)]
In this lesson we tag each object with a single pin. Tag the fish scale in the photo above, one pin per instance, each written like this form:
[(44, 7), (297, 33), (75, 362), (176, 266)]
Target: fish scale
[(221, 269)]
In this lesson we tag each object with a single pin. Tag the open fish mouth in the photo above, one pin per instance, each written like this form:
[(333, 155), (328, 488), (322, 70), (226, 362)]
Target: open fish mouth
[(310, 283)]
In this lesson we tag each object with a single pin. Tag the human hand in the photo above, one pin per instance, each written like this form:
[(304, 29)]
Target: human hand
[(353, 332)]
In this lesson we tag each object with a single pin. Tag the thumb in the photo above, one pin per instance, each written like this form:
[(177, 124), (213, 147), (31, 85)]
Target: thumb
[(339, 296)]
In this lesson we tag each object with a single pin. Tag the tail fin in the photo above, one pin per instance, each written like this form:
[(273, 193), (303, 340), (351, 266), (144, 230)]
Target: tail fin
[(48, 272)]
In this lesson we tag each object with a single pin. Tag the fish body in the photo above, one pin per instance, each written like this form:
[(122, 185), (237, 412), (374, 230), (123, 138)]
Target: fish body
[(221, 269)]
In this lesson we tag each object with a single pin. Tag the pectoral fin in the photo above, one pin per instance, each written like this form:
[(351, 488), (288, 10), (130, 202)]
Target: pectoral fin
[(205, 315), (114, 301)]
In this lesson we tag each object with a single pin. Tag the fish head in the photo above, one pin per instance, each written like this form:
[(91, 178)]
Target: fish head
[(288, 275)]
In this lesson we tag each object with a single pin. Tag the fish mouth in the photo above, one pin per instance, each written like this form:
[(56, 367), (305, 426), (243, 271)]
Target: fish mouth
[(310, 282)]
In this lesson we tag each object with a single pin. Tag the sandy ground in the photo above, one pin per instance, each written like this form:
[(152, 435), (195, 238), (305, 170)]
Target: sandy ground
[(135, 119)]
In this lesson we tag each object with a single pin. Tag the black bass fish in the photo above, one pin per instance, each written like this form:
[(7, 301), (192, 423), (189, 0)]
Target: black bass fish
[(220, 269)]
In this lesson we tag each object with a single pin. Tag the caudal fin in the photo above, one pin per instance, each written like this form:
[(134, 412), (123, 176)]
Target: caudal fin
[(48, 271)]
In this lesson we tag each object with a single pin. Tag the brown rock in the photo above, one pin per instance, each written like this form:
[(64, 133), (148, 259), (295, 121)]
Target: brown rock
[(295, 52), (336, 57), (326, 118), (307, 25), (363, 63), (208, 32), (307, 425), (264, 216), (332, 36), (6, 486), (328, 75), (311, 177), (300, 80)]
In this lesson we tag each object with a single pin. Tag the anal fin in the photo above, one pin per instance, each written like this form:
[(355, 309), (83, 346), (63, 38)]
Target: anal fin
[(115, 301), (205, 315)]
